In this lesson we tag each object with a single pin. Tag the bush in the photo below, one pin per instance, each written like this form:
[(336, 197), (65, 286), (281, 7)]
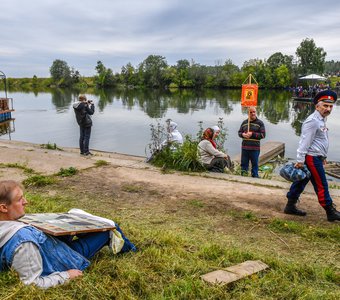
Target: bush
[(67, 172), (38, 180), (184, 158)]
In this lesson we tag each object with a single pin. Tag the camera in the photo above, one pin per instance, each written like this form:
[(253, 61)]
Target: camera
[(90, 101)]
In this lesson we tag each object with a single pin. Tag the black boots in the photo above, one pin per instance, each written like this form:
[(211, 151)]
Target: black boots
[(291, 208), (332, 213)]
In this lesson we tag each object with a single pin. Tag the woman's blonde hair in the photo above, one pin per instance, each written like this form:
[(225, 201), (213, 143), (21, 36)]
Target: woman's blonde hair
[(6, 189)]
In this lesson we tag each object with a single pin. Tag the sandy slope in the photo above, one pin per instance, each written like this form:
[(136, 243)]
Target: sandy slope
[(264, 197)]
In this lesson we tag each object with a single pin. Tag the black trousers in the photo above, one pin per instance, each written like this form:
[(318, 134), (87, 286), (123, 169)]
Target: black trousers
[(217, 165)]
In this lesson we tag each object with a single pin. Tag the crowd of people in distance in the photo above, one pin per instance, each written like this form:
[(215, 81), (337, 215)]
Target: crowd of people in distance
[(310, 91)]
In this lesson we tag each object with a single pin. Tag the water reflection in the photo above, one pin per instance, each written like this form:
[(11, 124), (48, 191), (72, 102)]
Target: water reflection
[(7, 127), (275, 106), (155, 103), (132, 111), (62, 98), (302, 111)]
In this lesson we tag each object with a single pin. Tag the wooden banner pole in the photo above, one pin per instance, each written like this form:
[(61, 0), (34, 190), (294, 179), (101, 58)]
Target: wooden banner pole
[(248, 119)]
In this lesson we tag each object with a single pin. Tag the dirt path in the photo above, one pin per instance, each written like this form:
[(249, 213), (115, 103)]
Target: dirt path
[(266, 198)]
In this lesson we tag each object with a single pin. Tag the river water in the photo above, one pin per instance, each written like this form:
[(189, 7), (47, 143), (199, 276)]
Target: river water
[(122, 118)]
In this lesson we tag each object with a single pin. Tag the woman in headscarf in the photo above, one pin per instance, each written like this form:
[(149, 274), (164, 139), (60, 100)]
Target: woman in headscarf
[(217, 138), (210, 157), (174, 137)]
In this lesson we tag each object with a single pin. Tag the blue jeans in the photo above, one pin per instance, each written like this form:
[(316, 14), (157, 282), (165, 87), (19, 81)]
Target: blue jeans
[(87, 244), (84, 139), (253, 156)]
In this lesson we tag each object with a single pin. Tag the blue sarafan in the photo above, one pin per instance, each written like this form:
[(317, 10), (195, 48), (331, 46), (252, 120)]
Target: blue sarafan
[(292, 174)]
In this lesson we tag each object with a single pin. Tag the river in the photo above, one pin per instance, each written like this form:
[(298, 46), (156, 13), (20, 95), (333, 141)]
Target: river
[(122, 118)]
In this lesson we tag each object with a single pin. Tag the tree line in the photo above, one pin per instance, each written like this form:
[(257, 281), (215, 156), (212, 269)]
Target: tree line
[(278, 71)]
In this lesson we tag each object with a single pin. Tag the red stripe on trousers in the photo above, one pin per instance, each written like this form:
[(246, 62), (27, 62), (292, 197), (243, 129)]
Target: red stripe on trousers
[(320, 188)]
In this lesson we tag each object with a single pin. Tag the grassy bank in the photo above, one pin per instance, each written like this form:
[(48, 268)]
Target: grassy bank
[(181, 239)]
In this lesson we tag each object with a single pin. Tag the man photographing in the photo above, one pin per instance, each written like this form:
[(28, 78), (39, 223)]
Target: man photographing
[(312, 151), (84, 109)]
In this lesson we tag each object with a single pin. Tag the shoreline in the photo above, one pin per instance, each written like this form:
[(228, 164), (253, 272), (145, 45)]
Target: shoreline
[(49, 162)]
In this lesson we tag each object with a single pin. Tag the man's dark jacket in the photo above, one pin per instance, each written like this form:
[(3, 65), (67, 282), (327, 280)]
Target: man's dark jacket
[(83, 110)]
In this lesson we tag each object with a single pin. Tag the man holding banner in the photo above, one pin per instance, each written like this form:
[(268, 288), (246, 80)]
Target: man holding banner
[(252, 130)]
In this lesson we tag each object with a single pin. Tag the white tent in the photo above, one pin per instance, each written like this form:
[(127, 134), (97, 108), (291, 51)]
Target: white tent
[(313, 77)]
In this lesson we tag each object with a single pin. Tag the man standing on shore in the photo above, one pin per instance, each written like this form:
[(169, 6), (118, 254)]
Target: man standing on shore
[(312, 151), (84, 109), (252, 130)]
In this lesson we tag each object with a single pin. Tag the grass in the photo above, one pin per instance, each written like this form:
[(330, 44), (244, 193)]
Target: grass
[(18, 166), (100, 163), (67, 172), (177, 247), (130, 188), (51, 146), (39, 180)]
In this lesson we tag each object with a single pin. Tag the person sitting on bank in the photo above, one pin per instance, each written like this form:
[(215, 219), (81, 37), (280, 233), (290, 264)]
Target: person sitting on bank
[(37, 257), (216, 137), (211, 158), (174, 136), (173, 140)]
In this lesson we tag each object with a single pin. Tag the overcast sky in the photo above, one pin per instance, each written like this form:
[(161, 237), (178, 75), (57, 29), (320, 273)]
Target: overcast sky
[(35, 33)]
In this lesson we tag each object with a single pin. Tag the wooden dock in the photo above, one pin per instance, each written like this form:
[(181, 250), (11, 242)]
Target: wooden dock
[(333, 169), (269, 150)]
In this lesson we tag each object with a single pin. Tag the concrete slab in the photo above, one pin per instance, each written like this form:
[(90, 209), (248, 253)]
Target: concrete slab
[(234, 273)]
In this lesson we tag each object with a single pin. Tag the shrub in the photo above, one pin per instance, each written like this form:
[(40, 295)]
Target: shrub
[(38, 180), (50, 146), (184, 157), (101, 162), (67, 172)]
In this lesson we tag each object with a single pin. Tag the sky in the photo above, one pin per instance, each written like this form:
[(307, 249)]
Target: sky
[(35, 33)]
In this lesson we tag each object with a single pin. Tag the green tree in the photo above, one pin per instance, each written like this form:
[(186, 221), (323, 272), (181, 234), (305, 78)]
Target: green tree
[(75, 75), (311, 58), (128, 74), (60, 73), (332, 67), (224, 73), (282, 77), (35, 81), (182, 78), (278, 59), (152, 70), (197, 74), (105, 77)]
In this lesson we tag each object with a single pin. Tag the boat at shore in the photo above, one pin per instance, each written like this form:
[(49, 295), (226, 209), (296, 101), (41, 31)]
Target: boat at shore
[(303, 99), (6, 109)]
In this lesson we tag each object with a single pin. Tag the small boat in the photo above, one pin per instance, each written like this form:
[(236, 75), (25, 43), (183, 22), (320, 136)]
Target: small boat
[(303, 99), (6, 109)]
